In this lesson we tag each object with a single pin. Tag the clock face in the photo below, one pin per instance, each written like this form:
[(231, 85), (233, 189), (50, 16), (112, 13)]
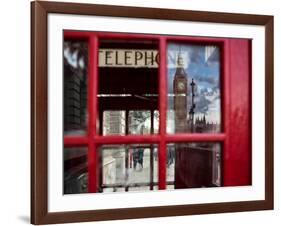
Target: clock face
[(181, 86)]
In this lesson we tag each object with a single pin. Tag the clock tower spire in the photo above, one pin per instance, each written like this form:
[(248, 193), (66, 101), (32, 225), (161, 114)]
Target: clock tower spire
[(180, 96)]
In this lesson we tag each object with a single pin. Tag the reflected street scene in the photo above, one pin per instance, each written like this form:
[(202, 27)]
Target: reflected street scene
[(128, 167), (134, 167)]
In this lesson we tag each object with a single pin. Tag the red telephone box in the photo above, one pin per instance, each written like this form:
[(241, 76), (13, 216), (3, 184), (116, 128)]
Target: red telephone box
[(177, 107)]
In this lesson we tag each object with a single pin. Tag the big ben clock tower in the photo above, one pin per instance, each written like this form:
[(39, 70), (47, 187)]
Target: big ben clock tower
[(180, 98)]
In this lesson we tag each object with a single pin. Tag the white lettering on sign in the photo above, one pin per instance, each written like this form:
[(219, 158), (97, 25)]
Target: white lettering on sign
[(137, 58)]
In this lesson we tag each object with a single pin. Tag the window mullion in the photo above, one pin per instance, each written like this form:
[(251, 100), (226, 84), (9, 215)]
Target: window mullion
[(92, 113), (70, 141), (195, 137), (226, 101), (163, 111)]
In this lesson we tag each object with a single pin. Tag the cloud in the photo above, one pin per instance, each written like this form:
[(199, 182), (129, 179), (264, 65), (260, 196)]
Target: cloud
[(215, 57), (195, 55), (208, 79), (207, 99), (173, 56), (202, 104)]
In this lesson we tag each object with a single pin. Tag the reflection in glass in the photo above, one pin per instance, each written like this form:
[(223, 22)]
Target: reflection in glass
[(128, 86), (75, 86), (193, 89), (75, 170), (134, 167), (131, 167), (194, 165), (140, 122), (114, 123)]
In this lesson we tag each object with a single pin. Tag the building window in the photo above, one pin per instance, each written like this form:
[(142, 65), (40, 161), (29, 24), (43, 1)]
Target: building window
[(152, 112)]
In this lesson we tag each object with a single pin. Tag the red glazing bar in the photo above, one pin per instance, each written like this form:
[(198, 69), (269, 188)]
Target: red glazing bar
[(126, 36), (71, 34), (162, 109), (195, 40), (237, 148), (195, 137), (77, 35), (92, 112), (130, 139), (75, 141), (225, 90)]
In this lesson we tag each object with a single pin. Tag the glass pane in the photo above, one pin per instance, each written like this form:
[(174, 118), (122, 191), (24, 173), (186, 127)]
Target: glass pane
[(140, 122), (194, 165), (170, 167), (75, 170), (140, 188), (127, 167), (75, 86), (128, 83), (114, 189), (114, 123), (156, 122), (194, 96)]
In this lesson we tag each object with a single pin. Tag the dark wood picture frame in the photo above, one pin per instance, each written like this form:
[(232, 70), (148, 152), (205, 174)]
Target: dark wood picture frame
[(39, 109)]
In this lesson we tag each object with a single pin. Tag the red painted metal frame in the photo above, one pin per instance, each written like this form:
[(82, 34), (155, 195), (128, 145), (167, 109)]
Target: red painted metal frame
[(130, 139), (143, 139), (163, 111), (84, 35), (93, 140), (237, 159), (70, 141), (92, 113), (195, 137), (225, 104)]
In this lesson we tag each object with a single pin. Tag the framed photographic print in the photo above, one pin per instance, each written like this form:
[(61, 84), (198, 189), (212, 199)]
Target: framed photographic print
[(145, 112)]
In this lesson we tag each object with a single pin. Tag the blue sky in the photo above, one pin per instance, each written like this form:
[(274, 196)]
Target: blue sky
[(206, 75)]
